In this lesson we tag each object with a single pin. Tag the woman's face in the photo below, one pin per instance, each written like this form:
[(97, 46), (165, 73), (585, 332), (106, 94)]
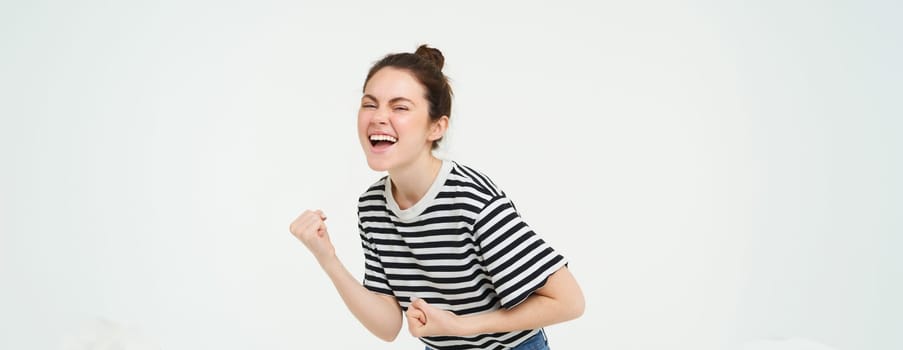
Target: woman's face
[(393, 121)]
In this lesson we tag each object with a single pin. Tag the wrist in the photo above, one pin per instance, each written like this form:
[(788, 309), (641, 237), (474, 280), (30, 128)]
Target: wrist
[(329, 262)]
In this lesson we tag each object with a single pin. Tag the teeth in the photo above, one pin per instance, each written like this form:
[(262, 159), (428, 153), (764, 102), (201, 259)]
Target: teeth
[(383, 138)]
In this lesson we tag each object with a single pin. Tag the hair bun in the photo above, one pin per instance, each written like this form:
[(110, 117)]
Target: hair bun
[(431, 54)]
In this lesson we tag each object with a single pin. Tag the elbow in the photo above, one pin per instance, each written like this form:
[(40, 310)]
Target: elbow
[(577, 305), (578, 308), (569, 309), (389, 333), (388, 337), (563, 288)]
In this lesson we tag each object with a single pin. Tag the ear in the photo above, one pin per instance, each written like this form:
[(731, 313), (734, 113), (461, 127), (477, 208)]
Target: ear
[(438, 128)]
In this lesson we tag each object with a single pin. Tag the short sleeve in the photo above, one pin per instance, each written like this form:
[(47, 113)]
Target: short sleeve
[(374, 275), (519, 262)]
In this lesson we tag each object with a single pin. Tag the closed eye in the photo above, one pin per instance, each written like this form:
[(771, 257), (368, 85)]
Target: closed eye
[(368, 105), (401, 108)]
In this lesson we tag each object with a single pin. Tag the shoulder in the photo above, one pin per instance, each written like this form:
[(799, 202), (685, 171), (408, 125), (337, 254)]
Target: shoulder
[(464, 176), (376, 191)]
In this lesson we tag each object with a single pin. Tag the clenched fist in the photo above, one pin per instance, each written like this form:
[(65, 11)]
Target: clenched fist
[(310, 229), (426, 320)]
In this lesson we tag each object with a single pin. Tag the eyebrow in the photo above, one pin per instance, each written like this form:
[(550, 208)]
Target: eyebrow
[(393, 100)]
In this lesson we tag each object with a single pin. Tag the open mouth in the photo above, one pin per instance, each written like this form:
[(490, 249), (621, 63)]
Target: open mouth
[(382, 141)]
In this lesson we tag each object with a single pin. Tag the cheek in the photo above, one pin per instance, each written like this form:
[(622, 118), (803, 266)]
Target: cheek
[(409, 125)]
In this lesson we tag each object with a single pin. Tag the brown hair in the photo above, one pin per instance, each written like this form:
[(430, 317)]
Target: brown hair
[(426, 65)]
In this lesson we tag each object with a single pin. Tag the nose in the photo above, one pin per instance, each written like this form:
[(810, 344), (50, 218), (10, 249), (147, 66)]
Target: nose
[(381, 117)]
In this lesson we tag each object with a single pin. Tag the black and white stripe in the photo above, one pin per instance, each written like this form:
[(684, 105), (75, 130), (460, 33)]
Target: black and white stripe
[(462, 248)]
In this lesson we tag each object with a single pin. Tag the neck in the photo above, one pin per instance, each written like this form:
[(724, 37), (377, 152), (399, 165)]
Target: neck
[(411, 181)]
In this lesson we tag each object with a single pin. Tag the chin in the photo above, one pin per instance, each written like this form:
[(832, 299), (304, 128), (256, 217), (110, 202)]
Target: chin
[(378, 164)]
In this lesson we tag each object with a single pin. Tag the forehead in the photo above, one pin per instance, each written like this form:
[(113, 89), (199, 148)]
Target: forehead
[(389, 83)]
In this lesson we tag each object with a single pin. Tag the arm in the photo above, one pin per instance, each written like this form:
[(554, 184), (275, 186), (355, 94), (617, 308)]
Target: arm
[(559, 300), (380, 314)]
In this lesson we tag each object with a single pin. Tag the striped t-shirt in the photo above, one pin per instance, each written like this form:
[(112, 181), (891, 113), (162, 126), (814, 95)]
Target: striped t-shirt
[(463, 248)]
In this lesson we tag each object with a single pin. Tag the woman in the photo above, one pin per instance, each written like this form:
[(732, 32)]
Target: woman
[(443, 245)]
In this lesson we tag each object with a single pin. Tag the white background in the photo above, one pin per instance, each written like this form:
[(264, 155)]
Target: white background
[(718, 173)]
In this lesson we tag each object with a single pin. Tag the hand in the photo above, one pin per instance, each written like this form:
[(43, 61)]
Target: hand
[(310, 229), (427, 320)]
